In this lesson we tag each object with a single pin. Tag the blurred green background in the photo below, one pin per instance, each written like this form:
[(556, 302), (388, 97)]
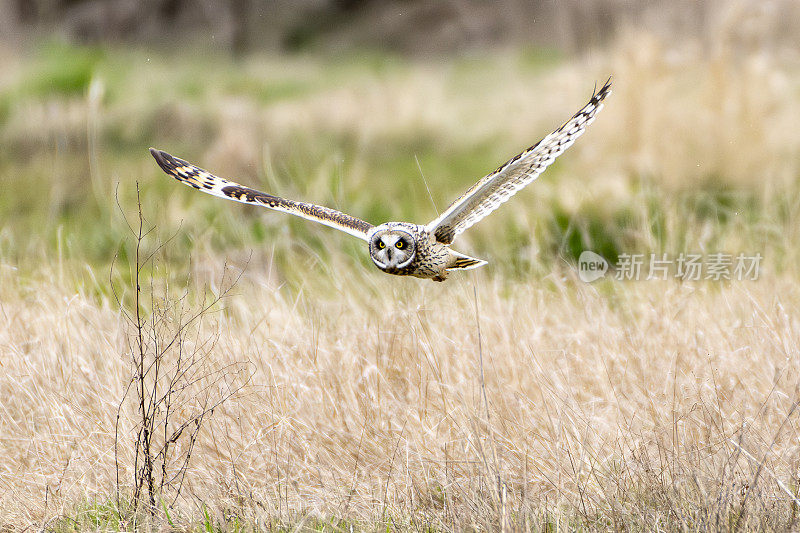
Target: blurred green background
[(388, 110)]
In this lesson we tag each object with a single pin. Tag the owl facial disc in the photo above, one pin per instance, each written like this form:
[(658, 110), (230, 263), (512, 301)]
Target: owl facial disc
[(392, 249)]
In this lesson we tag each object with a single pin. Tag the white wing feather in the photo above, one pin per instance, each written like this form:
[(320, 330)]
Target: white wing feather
[(205, 181), (496, 188)]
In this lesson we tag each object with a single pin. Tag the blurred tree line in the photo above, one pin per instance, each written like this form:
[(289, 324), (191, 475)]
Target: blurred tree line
[(404, 26)]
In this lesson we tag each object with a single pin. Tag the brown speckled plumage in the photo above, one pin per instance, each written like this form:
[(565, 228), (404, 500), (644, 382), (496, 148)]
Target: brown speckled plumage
[(402, 248), (203, 180)]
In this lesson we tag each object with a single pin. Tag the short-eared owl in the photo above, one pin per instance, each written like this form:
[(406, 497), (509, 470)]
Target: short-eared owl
[(403, 248)]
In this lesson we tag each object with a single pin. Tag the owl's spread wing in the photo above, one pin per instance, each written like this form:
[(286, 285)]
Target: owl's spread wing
[(211, 184), (491, 191)]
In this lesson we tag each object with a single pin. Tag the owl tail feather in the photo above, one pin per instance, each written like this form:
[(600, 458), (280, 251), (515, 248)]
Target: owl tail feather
[(463, 262)]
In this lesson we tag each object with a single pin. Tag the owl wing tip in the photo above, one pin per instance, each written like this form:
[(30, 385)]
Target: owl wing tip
[(604, 91), (164, 160)]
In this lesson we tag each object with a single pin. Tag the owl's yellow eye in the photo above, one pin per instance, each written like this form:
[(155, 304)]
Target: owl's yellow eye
[(381, 245), (400, 245)]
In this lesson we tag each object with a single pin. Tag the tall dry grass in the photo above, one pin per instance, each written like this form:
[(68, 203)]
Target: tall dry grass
[(645, 404)]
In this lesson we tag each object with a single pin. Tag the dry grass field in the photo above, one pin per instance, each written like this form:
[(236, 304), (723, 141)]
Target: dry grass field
[(513, 397)]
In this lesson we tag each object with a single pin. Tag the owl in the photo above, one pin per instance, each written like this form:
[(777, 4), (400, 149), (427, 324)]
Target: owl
[(403, 248)]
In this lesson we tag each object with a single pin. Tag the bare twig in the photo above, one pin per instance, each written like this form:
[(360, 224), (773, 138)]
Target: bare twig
[(167, 380)]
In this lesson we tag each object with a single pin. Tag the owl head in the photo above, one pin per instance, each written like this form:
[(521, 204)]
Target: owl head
[(392, 248)]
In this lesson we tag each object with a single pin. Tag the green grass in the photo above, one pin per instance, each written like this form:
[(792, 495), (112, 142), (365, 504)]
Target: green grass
[(91, 516), (658, 509), (60, 69), (61, 197)]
